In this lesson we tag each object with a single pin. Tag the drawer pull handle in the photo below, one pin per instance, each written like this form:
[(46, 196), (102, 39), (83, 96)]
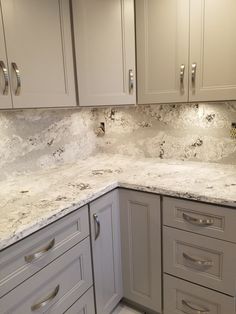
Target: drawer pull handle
[(193, 308), (197, 262), (97, 226), (198, 221), (46, 300), (18, 78), (41, 252), (194, 72), (182, 72), (131, 81), (6, 78)]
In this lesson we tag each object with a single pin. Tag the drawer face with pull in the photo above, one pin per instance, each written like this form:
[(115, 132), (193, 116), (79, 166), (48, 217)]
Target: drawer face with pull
[(210, 220), (183, 297), (199, 259), (85, 305), (28, 256), (56, 287)]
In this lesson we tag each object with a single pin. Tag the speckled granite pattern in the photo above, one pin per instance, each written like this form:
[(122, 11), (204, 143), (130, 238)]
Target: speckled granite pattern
[(196, 132), (41, 139), (30, 202)]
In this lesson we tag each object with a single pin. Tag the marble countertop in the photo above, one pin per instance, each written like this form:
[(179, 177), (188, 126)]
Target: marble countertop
[(34, 200)]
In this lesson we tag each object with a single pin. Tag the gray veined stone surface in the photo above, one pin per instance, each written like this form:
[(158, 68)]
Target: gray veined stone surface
[(198, 132), (36, 139), (49, 163), (34, 200)]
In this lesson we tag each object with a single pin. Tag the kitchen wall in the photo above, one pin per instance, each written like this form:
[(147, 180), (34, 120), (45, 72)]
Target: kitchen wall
[(33, 139)]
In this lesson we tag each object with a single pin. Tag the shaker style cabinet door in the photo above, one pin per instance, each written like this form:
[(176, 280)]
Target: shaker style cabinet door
[(212, 50), (5, 96), (39, 48), (105, 233), (141, 248), (162, 50), (105, 51)]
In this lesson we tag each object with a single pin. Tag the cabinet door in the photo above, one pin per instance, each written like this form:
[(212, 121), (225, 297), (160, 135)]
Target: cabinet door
[(105, 51), (105, 222), (213, 50), (162, 49), (39, 44), (5, 97), (141, 248)]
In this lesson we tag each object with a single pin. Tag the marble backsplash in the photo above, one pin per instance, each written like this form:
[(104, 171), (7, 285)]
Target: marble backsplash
[(199, 132), (33, 139)]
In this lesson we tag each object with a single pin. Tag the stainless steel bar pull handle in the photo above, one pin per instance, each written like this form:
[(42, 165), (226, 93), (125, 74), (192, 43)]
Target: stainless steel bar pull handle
[(6, 78), (194, 72), (182, 72), (198, 221), (46, 300), (194, 308), (131, 81), (32, 257), (97, 226), (197, 262), (18, 79)]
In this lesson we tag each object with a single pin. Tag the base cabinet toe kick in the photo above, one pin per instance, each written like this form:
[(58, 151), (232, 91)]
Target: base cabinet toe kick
[(160, 254)]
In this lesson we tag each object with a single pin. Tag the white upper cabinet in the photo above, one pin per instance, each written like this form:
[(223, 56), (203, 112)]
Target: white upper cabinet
[(105, 51), (213, 50), (162, 50), (5, 97), (186, 50), (39, 49)]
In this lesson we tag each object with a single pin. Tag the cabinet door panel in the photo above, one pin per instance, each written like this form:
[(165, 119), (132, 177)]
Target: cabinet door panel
[(85, 305), (38, 38), (5, 96), (106, 252), (105, 51), (141, 248), (213, 49), (162, 47)]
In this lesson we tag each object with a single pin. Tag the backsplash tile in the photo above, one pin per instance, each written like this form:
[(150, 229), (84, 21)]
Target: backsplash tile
[(199, 132), (32, 139)]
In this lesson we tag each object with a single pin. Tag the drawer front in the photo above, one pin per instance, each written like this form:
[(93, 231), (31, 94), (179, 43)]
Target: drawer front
[(28, 256), (85, 305), (206, 261), (183, 297), (55, 288), (210, 220)]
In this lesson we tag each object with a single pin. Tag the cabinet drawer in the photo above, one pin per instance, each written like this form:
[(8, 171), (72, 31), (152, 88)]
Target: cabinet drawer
[(85, 305), (183, 297), (210, 220), (28, 256), (206, 261), (56, 287)]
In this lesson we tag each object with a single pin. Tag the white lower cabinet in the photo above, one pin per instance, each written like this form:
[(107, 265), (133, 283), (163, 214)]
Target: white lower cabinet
[(105, 233), (141, 248), (183, 297), (51, 270), (56, 287), (85, 305)]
